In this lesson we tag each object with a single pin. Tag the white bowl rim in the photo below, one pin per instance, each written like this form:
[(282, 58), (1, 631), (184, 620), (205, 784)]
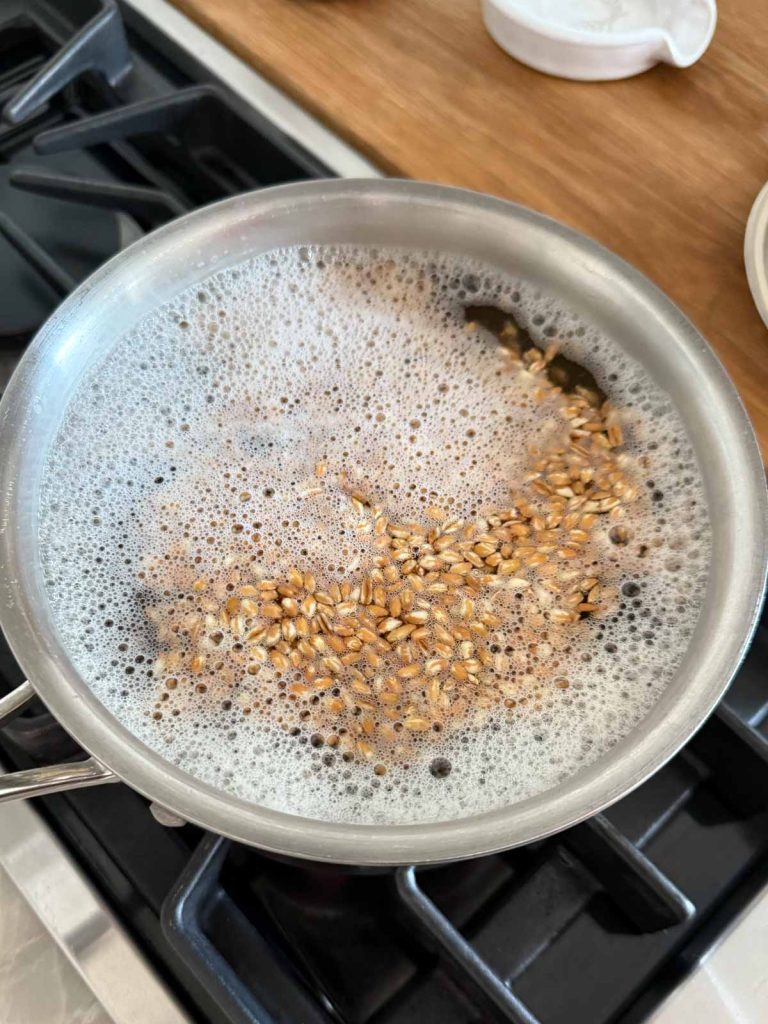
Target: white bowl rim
[(756, 252)]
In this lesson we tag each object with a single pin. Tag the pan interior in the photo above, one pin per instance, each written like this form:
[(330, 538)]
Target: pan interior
[(285, 418)]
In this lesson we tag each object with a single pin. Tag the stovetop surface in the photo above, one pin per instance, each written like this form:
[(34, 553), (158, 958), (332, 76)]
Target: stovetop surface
[(591, 926), (113, 161)]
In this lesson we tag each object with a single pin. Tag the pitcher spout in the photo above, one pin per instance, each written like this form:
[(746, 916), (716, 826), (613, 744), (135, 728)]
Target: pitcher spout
[(687, 32)]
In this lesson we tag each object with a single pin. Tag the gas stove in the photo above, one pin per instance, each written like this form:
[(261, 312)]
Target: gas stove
[(117, 118)]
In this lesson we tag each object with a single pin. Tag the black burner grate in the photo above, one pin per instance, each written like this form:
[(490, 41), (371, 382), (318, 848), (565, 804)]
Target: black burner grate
[(117, 141)]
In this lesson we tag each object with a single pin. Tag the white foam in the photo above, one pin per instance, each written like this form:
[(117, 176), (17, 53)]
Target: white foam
[(361, 360)]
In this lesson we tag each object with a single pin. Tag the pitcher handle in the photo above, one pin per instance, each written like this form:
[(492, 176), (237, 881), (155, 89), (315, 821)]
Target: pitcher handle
[(48, 778)]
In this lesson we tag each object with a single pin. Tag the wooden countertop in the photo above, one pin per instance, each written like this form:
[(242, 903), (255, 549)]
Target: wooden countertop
[(662, 168)]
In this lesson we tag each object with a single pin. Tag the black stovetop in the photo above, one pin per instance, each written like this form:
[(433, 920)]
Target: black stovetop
[(113, 161), (589, 927)]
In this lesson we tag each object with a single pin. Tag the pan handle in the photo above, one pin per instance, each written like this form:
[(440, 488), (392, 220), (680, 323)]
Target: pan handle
[(48, 778)]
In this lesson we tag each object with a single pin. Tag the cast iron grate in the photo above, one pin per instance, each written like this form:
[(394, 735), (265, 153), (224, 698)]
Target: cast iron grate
[(118, 143)]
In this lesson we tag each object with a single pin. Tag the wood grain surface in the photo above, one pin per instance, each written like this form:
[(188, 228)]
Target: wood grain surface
[(662, 168)]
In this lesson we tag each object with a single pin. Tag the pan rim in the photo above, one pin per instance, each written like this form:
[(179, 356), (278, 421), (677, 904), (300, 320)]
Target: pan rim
[(67, 696)]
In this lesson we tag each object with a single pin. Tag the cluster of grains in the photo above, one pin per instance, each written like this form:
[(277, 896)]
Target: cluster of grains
[(412, 645), (328, 546)]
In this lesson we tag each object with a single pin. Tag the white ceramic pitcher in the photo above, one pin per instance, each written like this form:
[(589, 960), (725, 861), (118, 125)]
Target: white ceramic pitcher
[(601, 39)]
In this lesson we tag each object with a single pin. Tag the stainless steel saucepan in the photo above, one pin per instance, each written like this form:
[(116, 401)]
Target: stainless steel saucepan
[(577, 272)]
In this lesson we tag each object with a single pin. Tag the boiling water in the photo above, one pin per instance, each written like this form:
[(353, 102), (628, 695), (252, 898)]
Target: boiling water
[(219, 442)]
